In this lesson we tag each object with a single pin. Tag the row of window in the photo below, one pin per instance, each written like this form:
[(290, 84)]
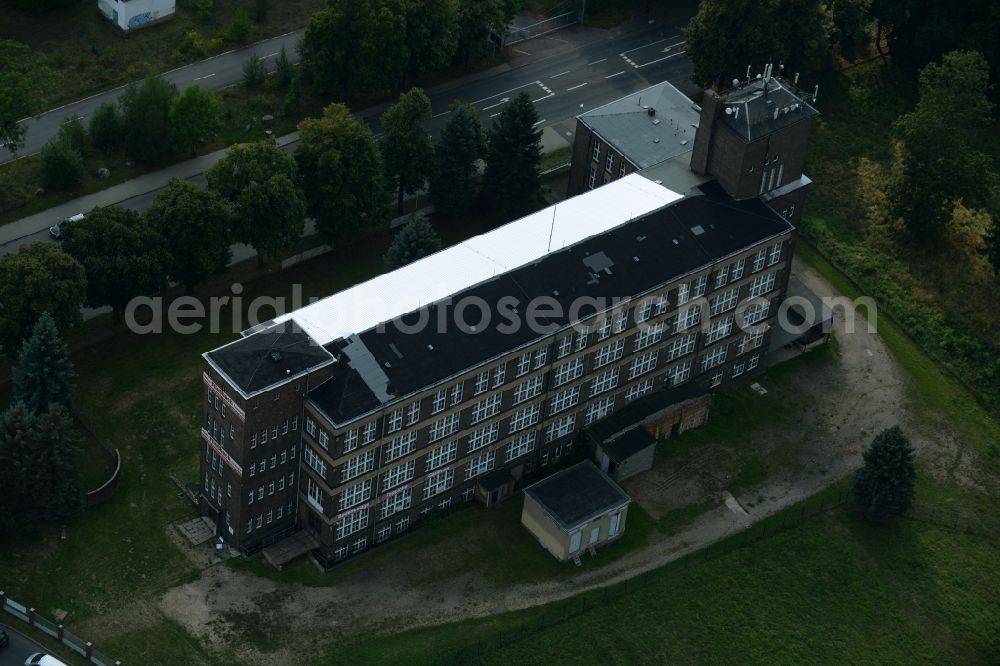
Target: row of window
[(271, 487), (264, 519)]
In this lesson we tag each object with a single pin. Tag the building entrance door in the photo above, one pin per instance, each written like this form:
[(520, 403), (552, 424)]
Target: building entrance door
[(574, 542), (595, 534)]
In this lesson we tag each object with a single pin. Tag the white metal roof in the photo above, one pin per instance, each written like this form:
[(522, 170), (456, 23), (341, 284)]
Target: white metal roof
[(480, 258)]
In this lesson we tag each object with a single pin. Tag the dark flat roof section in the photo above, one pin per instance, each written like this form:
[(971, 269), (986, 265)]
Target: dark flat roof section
[(624, 447), (577, 494)]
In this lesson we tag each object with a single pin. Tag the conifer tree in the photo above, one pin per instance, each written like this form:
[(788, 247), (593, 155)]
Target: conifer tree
[(455, 181), (884, 486), (18, 434), (44, 374), (511, 183), (56, 466), (415, 241)]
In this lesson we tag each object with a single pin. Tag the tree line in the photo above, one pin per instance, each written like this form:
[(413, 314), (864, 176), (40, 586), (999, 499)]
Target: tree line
[(260, 194)]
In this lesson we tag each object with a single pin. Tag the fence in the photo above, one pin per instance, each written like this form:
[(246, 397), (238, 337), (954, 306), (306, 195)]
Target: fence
[(524, 33), (575, 607), (56, 631)]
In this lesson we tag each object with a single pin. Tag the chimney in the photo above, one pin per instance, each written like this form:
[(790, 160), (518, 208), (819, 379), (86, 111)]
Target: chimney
[(711, 109)]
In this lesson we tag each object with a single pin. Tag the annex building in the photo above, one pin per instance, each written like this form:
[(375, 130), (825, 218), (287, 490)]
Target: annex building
[(476, 368)]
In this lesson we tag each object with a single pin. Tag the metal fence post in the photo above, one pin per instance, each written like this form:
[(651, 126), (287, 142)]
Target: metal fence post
[(31, 617), (88, 649), (3, 600), (59, 633)]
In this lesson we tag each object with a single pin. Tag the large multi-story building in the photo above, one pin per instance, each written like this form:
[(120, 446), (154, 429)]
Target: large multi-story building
[(353, 417)]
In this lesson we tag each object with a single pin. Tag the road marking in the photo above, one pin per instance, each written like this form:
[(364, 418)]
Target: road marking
[(577, 86), (556, 76), (494, 115), (536, 101), (500, 103), (659, 41), (673, 55), (520, 51), (615, 74), (207, 76), (69, 120), (271, 55), (523, 85), (539, 122), (596, 61)]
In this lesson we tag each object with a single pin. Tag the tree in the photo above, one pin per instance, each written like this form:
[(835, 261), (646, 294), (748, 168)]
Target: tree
[(852, 23), (260, 10), (123, 257), (939, 160), (146, 119), (884, 486), (106, 127), (74, 133), (240, 27), (61, 165), (416, 240), (284, 70), (431, 36), (20, 91), (18, 437), (44, 374), (455, 178), (196, 224), (341, 172), (293, 99), (477, 19), (259, 181), (511, 183), (354, 45), (406, 148), (56, 488), (727, 35), (254, 71), (195, 118), (38, 278)]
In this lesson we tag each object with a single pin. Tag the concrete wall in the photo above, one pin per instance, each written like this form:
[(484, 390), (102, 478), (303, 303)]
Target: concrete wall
[(633, 465)]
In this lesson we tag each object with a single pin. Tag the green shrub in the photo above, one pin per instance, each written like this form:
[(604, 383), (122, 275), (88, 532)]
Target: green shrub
[(74, 133), (254, 71), (62, 165), (106, 127), (240, 27)]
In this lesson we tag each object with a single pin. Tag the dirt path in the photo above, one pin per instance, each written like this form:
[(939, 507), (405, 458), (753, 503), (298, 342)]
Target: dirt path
[(862, 392)]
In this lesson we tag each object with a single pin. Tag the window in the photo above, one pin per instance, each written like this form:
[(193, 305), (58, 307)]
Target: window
[(599, 409), (738, 267), (399, 447), (679, 374), (438, 483), (643, 311), (725, 301), (520, 445), (355, 495), (648, 335), (284, 457), (402, 524), (280, 512), (369, 432), (604, 332), (683, 293), (642, 364), (662, 304), (525, 417), (524, 364), (499, 375), (621, 320), (774, 254), (314, 460), (440, 401), (567, 372), (721, 277), (350, 439), (442, 427), (609, 163), (756, 312), (480, 464), (263, 436), (270, 488), (394, 421), (395, 503), (274, 431), (609, 353), (259, 522), (314, 494), (621, 168), (758, 260), (486, 408), (565, 346), (592, 179), (253, 468), (351, 523), (527, 390), (358, 465), (360, 544), (751, 341), (639, 389), (484, 436), (564, 400), (540, 356), (253, 441), (604, 381), (752, 361), (581, 339), (468, 493), (482, 382), (284, 427), (442, 455), (762, 284), (560, 427), (295, 423), (413, 413), (597, 151), (687, 318), (714, 357), (383, 533), (456, 393), (281, 482), (738, 368), (718, 330), (699, 285), (398, 474)]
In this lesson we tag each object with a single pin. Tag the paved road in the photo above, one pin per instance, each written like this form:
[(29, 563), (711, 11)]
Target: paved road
[(20, 648), (213, 73), (572, 71)]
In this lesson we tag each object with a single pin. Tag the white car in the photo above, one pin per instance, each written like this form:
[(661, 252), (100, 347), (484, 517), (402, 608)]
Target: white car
[(56, 229), (42, 659)]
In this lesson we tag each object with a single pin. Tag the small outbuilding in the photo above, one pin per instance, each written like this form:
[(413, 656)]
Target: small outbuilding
[(576, 509), (627, 454), (129, 15)]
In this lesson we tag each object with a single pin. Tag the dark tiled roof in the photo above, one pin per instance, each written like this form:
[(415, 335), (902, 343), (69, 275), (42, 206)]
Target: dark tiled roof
[(624, 447), (577, 494), (644, 254), (268, 357)]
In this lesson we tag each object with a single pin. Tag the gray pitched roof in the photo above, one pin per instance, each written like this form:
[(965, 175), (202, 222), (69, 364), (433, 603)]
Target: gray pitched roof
[(763, 106)]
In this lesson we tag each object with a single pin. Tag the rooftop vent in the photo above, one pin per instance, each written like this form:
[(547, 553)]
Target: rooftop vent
[(430, 347), (656, 140), (651, 111), (697, 230), (656, 121), (676, 242)]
